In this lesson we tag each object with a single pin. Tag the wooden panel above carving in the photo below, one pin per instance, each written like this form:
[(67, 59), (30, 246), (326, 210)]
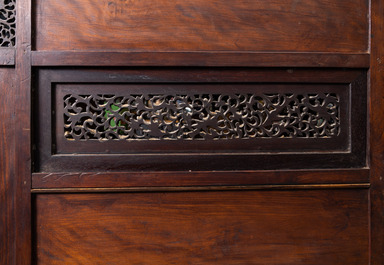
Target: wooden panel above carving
[(202, 25)]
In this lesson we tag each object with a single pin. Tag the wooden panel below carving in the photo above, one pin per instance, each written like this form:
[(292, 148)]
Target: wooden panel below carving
[(247, 227), (202, 25)]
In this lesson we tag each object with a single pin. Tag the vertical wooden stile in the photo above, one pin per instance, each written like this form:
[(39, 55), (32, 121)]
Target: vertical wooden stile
[(22, 134), (377, 128)]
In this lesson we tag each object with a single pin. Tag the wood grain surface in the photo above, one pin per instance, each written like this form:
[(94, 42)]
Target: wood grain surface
[(15, 204), (230, 59), (7, 182), (377, 136), (190, 179), (247, 227), (7, 56), (204, 188), (22, 127), (302, 217), (202, 25)]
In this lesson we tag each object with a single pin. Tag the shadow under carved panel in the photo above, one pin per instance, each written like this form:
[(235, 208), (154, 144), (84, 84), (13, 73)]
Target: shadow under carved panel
[(153, 121)]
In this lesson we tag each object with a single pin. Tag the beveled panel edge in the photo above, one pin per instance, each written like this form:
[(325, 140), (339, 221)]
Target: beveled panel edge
[(7, 56), (192, 179), (204, 59)]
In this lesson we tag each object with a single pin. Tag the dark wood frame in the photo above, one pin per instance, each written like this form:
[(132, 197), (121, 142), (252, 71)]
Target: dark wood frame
[(16, 174), (338, 143), (204, 59), (22, 124), (338, 153), (376, 132)]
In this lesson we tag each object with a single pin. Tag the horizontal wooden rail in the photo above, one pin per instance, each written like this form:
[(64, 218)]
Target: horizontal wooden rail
[(188, 179), (203, 59), (206, 188)]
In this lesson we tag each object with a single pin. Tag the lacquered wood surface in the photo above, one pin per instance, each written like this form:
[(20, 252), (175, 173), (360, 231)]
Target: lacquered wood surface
[(7, 56), (204, 188), (7, 182), (189, 179), (202, 25), (246, 227), (22, 125), (13, 230), (15, 205), (243, 59), (377, 136), (329, 224)]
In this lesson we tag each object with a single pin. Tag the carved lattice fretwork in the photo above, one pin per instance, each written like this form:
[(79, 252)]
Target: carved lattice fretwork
[(200, 117), (7, 23)]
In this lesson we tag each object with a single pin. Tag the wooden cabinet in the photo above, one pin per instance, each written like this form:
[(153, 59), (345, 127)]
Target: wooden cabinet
[(198, 132)]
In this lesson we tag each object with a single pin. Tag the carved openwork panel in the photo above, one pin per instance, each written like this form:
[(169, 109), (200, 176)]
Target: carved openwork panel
[(198, 119), (200, 116), (7, 23), (151, 118)]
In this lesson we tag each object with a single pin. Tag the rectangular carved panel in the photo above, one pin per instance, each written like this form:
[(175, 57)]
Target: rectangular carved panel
[(202, 25), (200, 116), (199, 119), (150, 118), (244, 227)]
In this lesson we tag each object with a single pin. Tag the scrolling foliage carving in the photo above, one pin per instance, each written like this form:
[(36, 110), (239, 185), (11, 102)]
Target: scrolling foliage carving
[(200, 117), (7, 23)]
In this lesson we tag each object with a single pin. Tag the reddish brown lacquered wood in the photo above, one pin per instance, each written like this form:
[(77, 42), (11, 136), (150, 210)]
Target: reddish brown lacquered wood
[(201, 25), (245, 59), (7, 182), (247, 227), (22, 126), (203, 188), (7, 56), (377, 136), (163, 179)]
